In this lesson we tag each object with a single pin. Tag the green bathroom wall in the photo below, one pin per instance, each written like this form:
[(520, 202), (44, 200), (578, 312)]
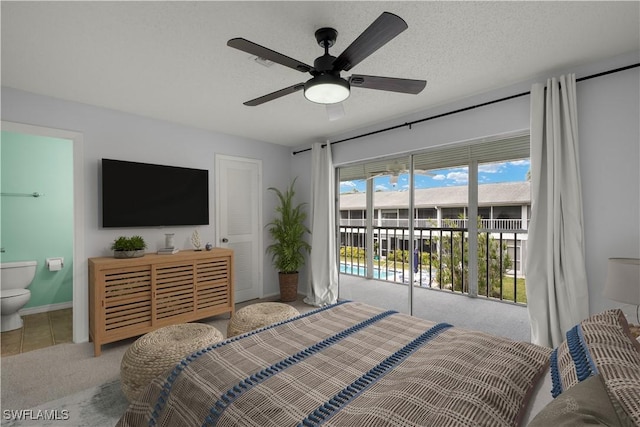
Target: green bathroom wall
[(37, 228)]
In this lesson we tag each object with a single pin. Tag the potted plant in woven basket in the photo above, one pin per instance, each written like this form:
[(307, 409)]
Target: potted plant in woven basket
[(288, 250)]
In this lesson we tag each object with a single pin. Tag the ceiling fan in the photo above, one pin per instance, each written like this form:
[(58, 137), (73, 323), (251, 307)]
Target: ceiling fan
[(395, 169), (326, 86)]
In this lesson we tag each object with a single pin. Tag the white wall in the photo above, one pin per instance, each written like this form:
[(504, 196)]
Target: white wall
[(608, 127), (117, 135), (608, 111)]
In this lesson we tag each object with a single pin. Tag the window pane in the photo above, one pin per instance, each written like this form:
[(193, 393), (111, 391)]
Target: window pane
[(502, 237), (389, 214), (507, 212), (484, 212), (357, 214), (453, 213), (426, 213), (391, 230), (352, 205)]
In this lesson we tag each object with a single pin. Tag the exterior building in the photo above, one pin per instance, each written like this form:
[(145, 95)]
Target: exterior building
[(504, 211)]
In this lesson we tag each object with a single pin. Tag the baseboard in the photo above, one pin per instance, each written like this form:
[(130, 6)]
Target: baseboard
[(46, 308), (276, 296)]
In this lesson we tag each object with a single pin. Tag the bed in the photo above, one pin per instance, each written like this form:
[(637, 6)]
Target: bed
[(351, 364)]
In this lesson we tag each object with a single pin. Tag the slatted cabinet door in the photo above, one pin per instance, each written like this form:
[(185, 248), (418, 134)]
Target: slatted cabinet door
[(212, 283), (127, 300), (174, 290)]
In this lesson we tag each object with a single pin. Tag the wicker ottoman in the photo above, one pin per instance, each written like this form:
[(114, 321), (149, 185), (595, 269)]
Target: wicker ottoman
[(256, 316), (156, 352)]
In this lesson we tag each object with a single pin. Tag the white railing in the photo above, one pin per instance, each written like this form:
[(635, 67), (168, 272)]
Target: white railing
[(486, 224)]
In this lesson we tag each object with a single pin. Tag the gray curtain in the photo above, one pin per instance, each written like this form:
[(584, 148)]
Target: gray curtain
[(557, 292), (323, 269)]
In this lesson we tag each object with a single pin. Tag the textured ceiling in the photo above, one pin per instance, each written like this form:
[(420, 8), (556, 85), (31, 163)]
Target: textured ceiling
[(169, 60)]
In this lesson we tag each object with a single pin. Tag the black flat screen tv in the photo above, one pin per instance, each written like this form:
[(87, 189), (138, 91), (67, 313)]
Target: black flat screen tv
[(147, 195)]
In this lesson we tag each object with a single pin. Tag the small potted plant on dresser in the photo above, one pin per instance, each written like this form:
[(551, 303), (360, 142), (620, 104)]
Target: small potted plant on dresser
[(288, 232), (128, 247)]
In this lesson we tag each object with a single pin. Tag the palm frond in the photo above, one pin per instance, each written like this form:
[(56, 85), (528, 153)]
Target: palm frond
[(288, 232)]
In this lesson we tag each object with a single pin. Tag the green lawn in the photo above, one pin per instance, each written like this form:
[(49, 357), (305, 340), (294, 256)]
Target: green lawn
[(507, 289)]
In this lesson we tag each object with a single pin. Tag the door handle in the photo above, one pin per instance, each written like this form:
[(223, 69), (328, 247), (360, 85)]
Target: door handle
[(225, 240)]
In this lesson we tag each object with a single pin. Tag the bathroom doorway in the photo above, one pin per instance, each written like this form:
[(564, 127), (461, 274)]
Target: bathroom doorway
[(77, 262)]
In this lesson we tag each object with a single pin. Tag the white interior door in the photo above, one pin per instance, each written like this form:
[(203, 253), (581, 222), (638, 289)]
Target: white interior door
[(238, 206)]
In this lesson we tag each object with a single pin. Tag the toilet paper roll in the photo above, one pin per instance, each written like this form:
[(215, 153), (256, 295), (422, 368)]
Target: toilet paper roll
[(55, 265)]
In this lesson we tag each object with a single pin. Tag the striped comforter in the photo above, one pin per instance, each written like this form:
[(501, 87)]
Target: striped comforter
[(352, 365)]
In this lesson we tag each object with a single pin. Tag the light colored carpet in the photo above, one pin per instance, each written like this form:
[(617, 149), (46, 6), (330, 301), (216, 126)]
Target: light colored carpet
[(100, 406), (33, 378), (481, 314)]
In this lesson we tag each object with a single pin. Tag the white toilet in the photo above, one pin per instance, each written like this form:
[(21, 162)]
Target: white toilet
[(15, 278)]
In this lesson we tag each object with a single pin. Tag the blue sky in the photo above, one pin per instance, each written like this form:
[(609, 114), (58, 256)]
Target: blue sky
[(488, 173)]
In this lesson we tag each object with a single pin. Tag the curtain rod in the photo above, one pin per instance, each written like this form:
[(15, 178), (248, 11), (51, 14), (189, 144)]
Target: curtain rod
[(460, 110)]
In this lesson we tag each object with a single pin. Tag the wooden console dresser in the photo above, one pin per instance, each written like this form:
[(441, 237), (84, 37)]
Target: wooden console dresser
[(133, 296)]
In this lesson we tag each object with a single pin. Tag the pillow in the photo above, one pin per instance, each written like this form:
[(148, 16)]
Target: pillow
[(539, 399), (585, 403), (601, 345)]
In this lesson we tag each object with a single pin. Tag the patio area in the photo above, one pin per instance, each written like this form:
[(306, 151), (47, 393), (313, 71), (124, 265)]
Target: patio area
[(494, 317)]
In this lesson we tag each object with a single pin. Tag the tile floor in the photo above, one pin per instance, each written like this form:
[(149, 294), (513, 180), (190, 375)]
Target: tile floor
[(39, 330)]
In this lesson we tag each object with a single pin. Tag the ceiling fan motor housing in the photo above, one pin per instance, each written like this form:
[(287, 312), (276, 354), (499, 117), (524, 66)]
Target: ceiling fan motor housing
[(324, 64), (326, 37)]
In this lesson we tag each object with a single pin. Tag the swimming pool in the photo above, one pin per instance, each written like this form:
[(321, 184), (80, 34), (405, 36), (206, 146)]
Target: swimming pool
[(361, 271)]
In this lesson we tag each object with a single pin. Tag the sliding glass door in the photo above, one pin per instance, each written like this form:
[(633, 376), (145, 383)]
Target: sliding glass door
[(452, 219)]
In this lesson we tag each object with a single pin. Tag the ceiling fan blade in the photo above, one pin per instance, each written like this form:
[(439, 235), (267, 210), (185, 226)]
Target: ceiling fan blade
[(263, 52), (379, 33), (388, 83), (275, 95)]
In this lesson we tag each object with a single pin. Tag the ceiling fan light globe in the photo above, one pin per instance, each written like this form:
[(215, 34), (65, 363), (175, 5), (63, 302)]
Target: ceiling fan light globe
[(326, 89)]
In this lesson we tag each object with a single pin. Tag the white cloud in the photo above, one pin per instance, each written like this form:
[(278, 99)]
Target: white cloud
[(381, 187), (524, 162), (439, 177), (458, 177), (349, 184), (491, 167)]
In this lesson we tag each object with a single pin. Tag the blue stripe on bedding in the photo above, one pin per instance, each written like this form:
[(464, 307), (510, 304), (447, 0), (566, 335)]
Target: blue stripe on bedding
[(582, 360), (577, 350), (555, 374), (592, 365), (231, 395), (343, 398), (166, 388)]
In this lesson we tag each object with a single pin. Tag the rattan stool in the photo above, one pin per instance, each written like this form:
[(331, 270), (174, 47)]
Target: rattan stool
[(156, 352), (256, 316)]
